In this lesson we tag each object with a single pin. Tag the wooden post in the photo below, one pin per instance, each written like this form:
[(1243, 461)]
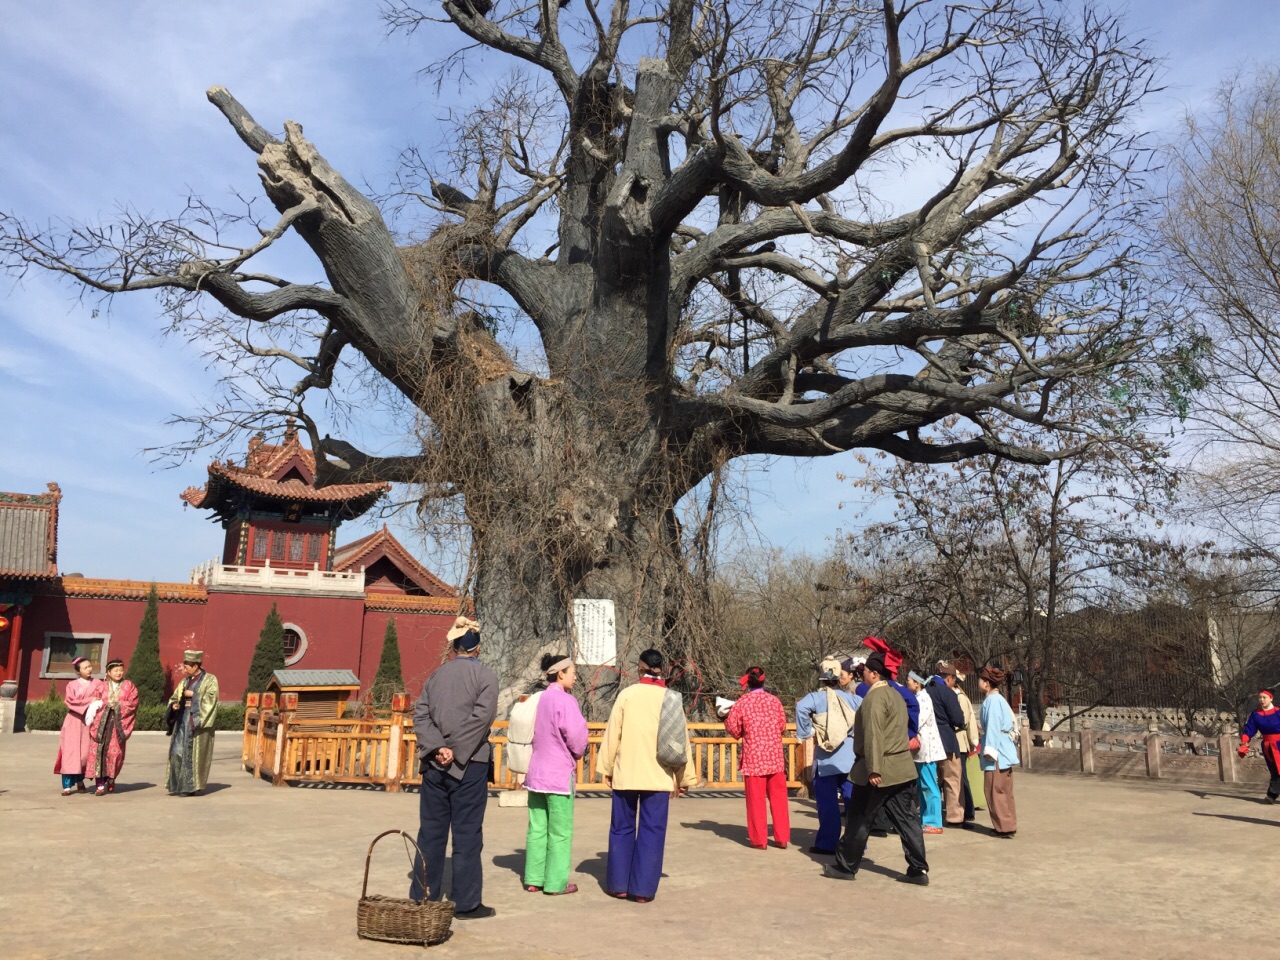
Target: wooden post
[(282, 735), (395, 747), (1087, 738), (1024, 740), (1227, 740), (257, 747), (1153, 750)]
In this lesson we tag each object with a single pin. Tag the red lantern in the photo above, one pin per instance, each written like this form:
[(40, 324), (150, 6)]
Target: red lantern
[(4, 624)]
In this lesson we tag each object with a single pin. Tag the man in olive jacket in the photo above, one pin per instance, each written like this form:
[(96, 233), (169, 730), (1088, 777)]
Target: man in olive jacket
[(884, 777)]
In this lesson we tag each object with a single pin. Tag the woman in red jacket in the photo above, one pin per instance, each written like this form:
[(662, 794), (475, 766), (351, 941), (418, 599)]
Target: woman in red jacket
[(759, 721)]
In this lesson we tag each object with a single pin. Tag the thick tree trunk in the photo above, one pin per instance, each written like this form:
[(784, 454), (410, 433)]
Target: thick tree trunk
[(569, 498)]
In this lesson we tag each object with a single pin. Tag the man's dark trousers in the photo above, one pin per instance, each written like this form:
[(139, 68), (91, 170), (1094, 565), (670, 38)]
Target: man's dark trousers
[(896, 802), (444, 804)]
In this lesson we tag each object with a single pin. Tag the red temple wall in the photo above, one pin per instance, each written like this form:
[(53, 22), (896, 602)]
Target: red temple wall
[(181, 625), (331, 625), (422, 644), (340, 634)]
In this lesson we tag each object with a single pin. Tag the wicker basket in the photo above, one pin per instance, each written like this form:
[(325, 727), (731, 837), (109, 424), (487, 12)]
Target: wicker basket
[(397, 920)]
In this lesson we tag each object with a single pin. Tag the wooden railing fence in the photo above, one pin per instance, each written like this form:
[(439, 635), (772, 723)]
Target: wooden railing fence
[(383, 752), (1152, 754)]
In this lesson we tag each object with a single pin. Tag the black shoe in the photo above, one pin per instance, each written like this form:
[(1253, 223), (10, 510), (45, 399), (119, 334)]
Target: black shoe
[(822, 851), (1007, 835), (832, 872), (917, 877), (476, 913), (879, 833)]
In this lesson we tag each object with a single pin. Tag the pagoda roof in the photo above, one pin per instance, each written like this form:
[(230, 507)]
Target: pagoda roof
[(285, 472), (29, 534), (382, 543)]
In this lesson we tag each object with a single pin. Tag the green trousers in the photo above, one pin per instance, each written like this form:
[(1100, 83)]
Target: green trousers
[(548, 842)]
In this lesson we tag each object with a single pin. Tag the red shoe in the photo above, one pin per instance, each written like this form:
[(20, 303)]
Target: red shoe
[(111, 786), (933, 830), (641, 899), (619, 896), (779, 845), (568, 889), (530, 888)]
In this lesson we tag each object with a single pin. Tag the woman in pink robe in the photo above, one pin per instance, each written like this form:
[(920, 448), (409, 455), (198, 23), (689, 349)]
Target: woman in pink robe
[(74, 743), (111, 726)]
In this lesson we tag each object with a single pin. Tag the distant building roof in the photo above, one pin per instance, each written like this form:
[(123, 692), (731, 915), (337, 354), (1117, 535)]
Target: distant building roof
[(315, 678), (284, 472), (29, 534), (381, 543)]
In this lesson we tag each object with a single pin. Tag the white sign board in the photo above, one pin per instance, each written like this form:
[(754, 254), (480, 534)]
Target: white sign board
[(595, 636)]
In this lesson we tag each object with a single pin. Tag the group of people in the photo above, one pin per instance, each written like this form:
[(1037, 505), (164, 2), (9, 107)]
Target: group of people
[(879, 747), (102, 713), (99, 721)]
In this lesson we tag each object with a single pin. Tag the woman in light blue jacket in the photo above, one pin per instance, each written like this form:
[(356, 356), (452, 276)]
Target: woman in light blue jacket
[(998, 752), (814, 718)]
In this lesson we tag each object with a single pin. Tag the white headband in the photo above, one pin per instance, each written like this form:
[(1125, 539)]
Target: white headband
[(559, 665)]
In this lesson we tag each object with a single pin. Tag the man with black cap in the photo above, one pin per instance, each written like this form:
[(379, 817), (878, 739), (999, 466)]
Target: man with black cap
[(452, 720), (884, 777)]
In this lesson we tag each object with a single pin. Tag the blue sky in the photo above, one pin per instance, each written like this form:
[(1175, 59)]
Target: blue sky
[(105, 106)]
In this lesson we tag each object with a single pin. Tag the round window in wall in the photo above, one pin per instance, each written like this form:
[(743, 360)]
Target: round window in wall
[(295, 644)]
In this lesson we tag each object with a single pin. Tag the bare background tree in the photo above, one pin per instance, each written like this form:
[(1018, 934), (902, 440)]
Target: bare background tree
[(1222, 235), (784, 230)]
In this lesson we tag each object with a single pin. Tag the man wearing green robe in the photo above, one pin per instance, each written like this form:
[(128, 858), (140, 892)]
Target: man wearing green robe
[(193, 708), (884, 778)]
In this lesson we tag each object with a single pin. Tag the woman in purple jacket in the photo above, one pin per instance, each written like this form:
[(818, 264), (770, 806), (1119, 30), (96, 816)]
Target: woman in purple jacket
[(559, 740)]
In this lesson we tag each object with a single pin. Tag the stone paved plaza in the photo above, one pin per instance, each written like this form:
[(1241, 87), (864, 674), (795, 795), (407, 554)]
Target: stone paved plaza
[(1099, 869)]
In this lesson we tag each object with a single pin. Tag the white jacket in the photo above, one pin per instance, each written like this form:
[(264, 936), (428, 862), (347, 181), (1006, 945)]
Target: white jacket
[(931, 750)]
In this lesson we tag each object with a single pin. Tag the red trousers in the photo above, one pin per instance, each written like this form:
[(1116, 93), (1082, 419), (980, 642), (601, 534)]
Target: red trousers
[(773, 786)]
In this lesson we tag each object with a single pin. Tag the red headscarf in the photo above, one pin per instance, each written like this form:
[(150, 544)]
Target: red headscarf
[(892, 657)]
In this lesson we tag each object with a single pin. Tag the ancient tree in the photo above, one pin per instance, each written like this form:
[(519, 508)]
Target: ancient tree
[(676, 234)]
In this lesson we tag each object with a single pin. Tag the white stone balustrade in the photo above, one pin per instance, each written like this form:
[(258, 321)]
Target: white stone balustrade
[(229, 577)]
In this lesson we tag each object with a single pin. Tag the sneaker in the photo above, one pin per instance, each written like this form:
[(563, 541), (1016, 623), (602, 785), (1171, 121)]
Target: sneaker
[(833, 872), (913, 876), (476, 913)]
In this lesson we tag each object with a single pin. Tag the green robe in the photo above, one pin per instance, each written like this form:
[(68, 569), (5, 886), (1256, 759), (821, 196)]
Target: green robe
[(880, 738), (191, 749)]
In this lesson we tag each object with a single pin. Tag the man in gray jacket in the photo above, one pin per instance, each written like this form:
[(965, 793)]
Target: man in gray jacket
[(452, 720)]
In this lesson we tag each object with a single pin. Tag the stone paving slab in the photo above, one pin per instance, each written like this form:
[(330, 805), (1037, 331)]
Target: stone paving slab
[(1099, 869)]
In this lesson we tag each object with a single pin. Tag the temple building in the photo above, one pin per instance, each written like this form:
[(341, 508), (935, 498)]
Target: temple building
[(280, 546)]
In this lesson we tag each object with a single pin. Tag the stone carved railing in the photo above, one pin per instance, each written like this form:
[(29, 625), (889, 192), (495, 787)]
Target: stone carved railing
[(1152, 754), (269, 579)]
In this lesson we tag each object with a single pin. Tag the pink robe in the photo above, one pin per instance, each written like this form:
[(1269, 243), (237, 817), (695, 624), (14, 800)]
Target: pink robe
[(111, 728), (74, 743)]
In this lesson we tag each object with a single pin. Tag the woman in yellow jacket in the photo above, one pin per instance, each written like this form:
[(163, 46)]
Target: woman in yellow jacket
[(642, 787)]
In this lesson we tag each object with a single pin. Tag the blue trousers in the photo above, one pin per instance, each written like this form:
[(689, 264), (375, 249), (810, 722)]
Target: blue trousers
[(637, 837), (447, 805), (828, 790), (930, 794)]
